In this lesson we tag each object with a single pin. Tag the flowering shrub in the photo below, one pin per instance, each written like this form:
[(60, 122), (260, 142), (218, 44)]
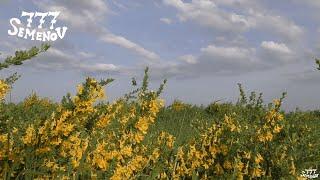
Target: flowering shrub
[(4, 88), (103, 141), (85, 137), (240, 149), (179, 105)]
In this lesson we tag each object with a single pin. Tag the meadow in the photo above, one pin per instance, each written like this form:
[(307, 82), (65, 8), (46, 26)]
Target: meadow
[(136, 137)]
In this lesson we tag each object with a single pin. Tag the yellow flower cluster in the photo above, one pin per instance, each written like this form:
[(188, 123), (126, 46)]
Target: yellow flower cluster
[(4, 88), (179, 105), (125, 149), (33, 99), (272, 124), (3, 141), (30, 137), (108, 141), (218, 152)]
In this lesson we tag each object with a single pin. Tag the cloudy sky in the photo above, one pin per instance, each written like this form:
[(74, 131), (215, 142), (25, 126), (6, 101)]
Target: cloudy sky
[(203, 47)]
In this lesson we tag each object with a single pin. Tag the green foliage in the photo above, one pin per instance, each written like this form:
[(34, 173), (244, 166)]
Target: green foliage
[(12, 79), (21, 56)]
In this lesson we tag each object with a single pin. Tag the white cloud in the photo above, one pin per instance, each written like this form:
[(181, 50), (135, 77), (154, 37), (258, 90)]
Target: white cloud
[(229, 60), (55, 59), (99, 67), (280, 25), (273, 46), (118, 4), (213, 59), (86, 54), (234, 2), (82, 14), (207, 13), (278, 53), (190, 59), (125, 43), (166, 20), (89, 16), (59, 59), (240, 16), (230, 16), (228, 53)]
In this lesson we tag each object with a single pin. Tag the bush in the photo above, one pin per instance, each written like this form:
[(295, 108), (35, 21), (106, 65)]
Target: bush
[(137, 137)]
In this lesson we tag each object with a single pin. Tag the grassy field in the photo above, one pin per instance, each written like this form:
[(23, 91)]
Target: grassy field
[(137, 137)]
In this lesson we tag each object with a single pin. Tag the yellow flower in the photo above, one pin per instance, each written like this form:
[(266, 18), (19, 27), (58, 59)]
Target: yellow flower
[(213, 150), (170, 142), (206, 166), (163, 175), (239, 176), (4, 88), (68, 128), (43, 150), (280, 117), (15, 130), (142, 125), (29, 137), (102, 164), (124, 120), (50, 164), (271, 115), (240, 166), (80, 89), (127, 151), (138, 137), (178, 105), (257, 172), (227, 165), (56, 141), (230, 124), (104, 121), (224, 149), (3, 138), (268, 136), (258, 158), (155, 154), (277, 129), (247, 155), (277, 102)]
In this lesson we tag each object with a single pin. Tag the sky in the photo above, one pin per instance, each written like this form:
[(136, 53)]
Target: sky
[(202, 47)]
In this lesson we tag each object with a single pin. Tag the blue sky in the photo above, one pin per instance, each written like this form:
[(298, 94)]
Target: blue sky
[(203, 47)]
